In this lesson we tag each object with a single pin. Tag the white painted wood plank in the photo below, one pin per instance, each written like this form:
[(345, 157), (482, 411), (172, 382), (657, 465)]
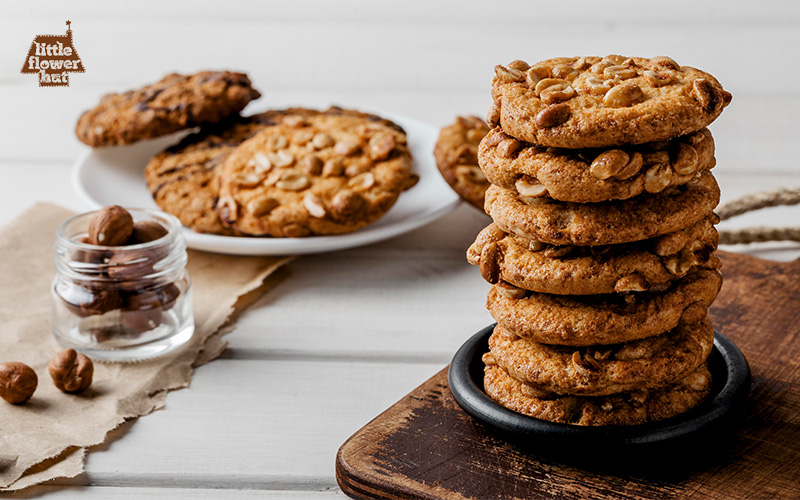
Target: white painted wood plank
[(442, 70), (436, 35), (254, 424)]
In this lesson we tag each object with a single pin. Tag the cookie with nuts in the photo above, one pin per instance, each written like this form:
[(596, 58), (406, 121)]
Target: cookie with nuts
[(456, 153), (176, 102), (315, 175), (604, 223), (594, 102), (647, 265), (582, 320), (599, 370), (183, 178), (594, 175), (631, 408)]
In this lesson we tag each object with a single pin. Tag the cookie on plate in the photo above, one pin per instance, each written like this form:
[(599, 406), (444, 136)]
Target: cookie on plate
[(593, 102), (176, 102), (611, 222), (600, 370), (183, 178), (315, 175), (594, 175), (582, 320), (648, 265), (456, 155), (617, 409)]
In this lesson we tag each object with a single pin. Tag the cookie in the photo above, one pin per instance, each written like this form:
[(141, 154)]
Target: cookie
[(645, 364), (183, 178), (593, 102), (602, 319), (456, 157), (611, 222), (617, 409), (175, 103), (648, 265), (317, 175), (594, 175)]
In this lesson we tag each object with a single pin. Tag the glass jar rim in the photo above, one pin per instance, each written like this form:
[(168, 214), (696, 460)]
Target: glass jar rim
[(169, 250), (172, 222)]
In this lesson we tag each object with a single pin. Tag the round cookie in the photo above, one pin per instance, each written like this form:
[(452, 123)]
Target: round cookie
[(594, 175), (602, 319), (593, 102), (648, 265), (174, 103), (610, 222), (456, 157), (183, 178), (317, 175), (645, 364), (617, 409)]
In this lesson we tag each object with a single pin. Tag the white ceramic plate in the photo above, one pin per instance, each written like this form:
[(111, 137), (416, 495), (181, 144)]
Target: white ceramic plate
[(114, 176)]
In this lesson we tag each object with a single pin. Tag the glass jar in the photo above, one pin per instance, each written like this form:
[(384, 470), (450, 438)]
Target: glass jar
[(122, 303)]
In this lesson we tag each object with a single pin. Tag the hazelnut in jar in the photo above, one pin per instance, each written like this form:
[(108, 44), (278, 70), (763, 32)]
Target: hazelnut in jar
[(121, 290)]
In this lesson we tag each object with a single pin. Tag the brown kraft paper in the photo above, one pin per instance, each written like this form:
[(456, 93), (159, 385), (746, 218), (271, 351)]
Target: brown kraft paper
[(46, 437)]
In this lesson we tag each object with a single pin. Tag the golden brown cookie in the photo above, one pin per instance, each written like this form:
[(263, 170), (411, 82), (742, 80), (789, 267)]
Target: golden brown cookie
[(648, 265), (618, 409), (600, 370), (611, 222), (594, 175), (316, 175), (183, 178), (456, 157), (176, 102), (593, 102), (602, 319)]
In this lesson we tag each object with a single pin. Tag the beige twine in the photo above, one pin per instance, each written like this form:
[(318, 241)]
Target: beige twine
[(756, 201)]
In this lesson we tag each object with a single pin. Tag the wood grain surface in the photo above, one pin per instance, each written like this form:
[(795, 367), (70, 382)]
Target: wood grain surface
[(425, 446)]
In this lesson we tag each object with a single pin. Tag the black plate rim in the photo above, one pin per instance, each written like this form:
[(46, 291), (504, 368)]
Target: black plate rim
[(726, 360)]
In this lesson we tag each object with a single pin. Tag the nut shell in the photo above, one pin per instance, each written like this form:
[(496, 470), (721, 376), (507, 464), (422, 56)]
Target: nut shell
[(110, 226), (18, 382), (145, 231), (71, 371)]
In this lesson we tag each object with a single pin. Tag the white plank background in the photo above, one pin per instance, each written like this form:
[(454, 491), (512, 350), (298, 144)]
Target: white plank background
[(349, 333)]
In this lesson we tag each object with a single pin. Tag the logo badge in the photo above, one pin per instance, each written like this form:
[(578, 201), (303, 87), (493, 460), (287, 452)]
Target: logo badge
[(53, 57)]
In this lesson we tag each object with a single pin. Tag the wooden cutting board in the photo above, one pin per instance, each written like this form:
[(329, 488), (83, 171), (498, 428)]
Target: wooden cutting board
[(425, 446)]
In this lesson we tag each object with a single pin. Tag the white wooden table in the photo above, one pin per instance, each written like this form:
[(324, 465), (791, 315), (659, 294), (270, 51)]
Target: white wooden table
[(349, 333)]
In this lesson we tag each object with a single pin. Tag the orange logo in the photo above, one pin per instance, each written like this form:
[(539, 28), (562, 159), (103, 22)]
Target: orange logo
[(53, 57)]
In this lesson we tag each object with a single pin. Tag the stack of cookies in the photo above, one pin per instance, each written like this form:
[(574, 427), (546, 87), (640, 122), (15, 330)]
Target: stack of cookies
[(283, 173), (600, 253)]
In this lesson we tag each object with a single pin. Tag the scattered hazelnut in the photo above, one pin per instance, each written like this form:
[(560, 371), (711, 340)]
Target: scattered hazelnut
[(110, 226), (71, 371), (18, 382)]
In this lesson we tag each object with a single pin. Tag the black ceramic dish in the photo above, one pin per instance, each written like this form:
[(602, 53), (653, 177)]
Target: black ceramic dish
[(731, 385)]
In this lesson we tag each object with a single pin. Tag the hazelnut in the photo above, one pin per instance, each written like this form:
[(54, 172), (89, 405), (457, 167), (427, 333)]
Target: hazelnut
[(18, 382), (110, 226), (168, 295), (142, 312), (71, 371), (145, 231), (90, 301), (135, 264)]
